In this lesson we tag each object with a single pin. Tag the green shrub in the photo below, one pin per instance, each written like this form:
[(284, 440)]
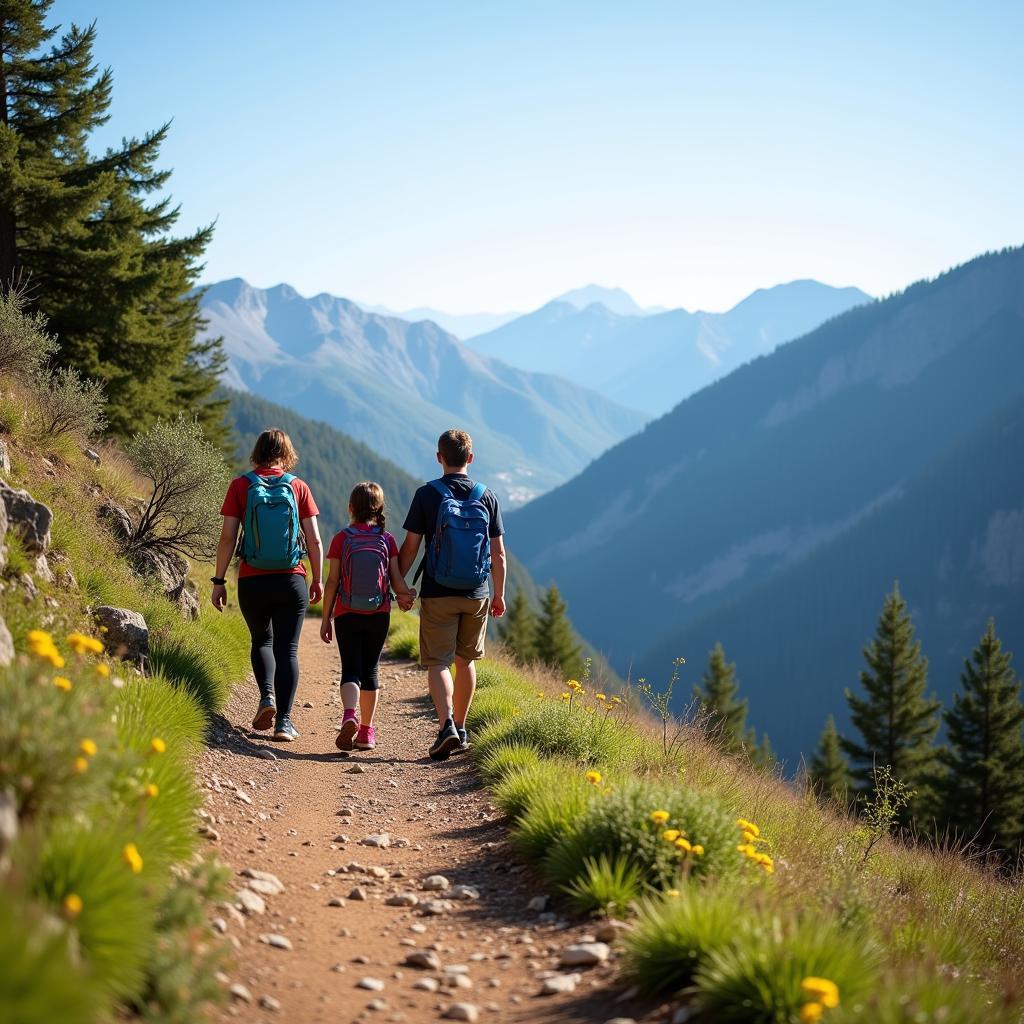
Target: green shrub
[(674, 934), (621, 822), (758, 978), (514, 793), (494, 674), (505, 759), (24, 343), (494, 704), (67, 405), (606, 885), (550, 814)]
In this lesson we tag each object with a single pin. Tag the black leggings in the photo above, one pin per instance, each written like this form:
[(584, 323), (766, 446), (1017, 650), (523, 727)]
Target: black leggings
[(361, 640), (273, 606)]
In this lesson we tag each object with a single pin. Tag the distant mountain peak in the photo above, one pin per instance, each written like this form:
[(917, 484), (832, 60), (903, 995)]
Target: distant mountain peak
[(616, 299)]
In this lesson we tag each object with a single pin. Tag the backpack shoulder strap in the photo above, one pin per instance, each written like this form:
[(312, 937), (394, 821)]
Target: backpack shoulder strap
[(253, 477), (442, 488), (286, 478), (479, 490)]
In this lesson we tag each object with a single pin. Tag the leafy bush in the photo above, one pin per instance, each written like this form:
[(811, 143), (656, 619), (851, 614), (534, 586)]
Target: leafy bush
[(759, 979), (514, 793), (550, 814), (606, 885), (621, 823), (506, 759), (675, 934), (25, 345), (494, 704), (68, 405), (187, 477)]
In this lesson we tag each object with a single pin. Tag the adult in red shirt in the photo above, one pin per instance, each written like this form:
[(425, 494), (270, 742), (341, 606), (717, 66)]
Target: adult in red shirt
[(272, 601)]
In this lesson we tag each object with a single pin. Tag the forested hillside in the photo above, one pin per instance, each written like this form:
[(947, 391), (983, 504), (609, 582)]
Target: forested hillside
[(823, 449)]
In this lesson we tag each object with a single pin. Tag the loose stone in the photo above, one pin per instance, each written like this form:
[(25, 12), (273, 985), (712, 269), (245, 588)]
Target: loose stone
[(379, 840), (370, 984), (559, 983), (462, 1011), (435, 883), (240, 993), (402, 899), (584, 954), (424, 959), (277, 941)]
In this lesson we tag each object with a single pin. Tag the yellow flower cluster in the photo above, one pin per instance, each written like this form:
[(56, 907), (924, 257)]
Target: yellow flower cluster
[(41, 644), (87, 748), (822, 993), (157, 745), (82, 644), (73, 904), (576, 687), (62, 683), (676, 836), (593, 777), (152, 789), (750, 836), (132, 858)]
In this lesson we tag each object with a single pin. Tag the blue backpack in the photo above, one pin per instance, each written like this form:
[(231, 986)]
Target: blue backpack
[(459, 553), (272, 537)]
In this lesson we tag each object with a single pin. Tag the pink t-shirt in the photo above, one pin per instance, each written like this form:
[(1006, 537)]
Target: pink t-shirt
[(336, 550)]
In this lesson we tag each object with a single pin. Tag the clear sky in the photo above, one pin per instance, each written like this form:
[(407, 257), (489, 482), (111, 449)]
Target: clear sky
[(487, 155)]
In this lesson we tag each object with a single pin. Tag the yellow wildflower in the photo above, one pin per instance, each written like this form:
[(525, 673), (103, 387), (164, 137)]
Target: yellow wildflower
[(589, 711), (616, 700), (157, 745), (41, 644), (574, 684), (82, 644), (73, 904), (811, 1012), (565, 696), (748, 837), (672, 892), (747, 826), (540, 694), (670, 835), (593, 777), (152, 789), (746, 849), (88, 747), (698, 850), (659, 817), (102, 670), (823, 990), (600, 696), (62, 683), (683, 844), (81, 765), (132, 857)]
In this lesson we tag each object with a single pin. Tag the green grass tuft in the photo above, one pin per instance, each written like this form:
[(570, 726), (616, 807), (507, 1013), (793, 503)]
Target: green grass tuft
[(607, 884)]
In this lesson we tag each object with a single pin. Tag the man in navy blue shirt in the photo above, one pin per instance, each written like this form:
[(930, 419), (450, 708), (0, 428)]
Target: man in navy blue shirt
[(453, 622)]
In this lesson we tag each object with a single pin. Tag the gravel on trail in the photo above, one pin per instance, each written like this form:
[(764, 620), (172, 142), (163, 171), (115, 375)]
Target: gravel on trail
[(422, 896)]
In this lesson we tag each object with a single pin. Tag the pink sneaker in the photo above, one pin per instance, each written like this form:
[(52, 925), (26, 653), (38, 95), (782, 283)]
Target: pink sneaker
[(367, 738), (349, 726)]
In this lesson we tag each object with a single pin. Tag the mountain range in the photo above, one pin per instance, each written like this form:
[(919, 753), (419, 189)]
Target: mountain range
[(651, 360), (397, 385), (773, 509)]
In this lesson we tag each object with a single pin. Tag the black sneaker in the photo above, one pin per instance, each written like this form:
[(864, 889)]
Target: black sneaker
[(285, 731), (446, 743), (463, 741)]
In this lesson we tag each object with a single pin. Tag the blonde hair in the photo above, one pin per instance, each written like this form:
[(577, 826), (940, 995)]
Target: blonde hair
[(367, 503), (274, 448)]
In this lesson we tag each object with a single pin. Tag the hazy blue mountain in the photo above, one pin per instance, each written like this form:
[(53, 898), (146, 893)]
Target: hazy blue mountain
[(651, 362), (773, 509), (614, 299), (462, 325), (396, 385)]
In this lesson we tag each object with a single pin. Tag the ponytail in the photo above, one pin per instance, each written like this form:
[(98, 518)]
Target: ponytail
[(367, 503)]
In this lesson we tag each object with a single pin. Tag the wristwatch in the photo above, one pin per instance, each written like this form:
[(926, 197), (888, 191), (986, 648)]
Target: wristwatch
[(218, 581)]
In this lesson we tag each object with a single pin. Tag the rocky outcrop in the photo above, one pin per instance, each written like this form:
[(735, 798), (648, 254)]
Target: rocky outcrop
[(28, 518), (116, 519), (170, 572), (125, 633)]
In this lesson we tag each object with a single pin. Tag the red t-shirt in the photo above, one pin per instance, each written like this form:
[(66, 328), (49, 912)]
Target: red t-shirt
[(337, 550), (234, 505)]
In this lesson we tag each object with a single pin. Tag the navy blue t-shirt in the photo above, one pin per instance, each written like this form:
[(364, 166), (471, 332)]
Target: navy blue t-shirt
[(422, 518)]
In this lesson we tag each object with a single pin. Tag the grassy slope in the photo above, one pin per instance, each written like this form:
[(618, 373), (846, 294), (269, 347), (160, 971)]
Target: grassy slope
[(81, 931), (907, 933)]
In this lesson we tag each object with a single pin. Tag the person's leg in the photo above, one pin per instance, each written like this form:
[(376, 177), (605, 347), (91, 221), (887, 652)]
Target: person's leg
[(350, 647), (469, 648), (255, 611), (439, 624), (375, 634), (287, 616)]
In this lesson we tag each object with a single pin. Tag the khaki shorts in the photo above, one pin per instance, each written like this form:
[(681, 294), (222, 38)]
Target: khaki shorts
[(451, 626)]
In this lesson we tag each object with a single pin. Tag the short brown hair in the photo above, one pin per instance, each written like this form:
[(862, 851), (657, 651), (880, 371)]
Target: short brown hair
[(455, 447), (367, 503), (274, 447)]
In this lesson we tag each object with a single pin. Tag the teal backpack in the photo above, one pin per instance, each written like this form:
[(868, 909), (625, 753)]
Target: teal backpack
[(272, 534)]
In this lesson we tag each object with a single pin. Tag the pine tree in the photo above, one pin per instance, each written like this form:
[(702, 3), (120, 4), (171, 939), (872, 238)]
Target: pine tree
[(829, 770), (983, 790), (519, 630), (726, 715), (897, 722), (556, 643), (87, 237)]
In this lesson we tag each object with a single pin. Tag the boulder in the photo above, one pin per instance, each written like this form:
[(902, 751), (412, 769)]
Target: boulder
[(41, 569), (6, 645), (170, 573), (116, 519), (92, 455), (126, 633), (28, 518), (5, 458)]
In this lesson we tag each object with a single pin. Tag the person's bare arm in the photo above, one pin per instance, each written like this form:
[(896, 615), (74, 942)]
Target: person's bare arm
[(498, 576), (407, 553), (330, 593), (225, 552), (403, 592), (315, 553)]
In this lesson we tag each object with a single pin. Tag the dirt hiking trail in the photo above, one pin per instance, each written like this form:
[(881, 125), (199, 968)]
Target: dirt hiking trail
[(330, 946)]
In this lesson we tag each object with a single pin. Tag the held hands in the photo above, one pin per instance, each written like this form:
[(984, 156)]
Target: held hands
[(219, 597), (406, 600), (326, 630), (316, 592), (497, 606)]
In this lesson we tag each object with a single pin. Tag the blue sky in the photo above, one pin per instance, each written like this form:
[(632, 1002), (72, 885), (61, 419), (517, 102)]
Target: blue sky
[(489, 155)]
